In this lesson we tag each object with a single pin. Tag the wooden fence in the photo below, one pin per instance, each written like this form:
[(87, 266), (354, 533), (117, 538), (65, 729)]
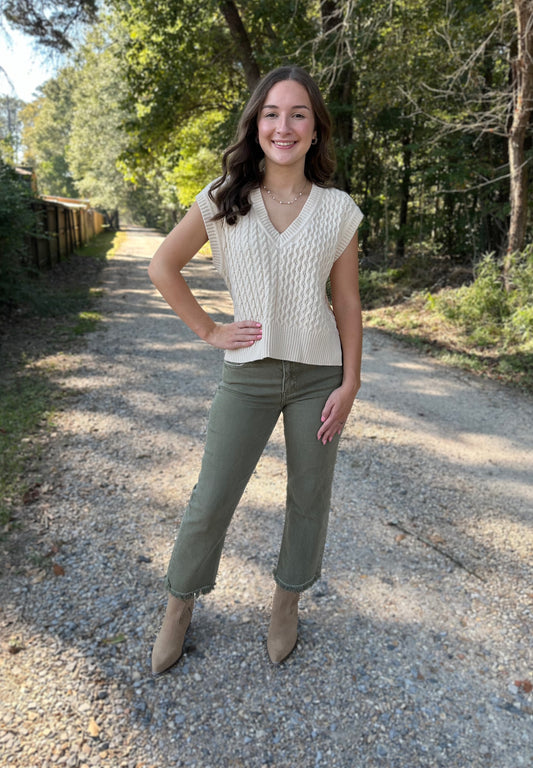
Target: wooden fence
[(65, 225)]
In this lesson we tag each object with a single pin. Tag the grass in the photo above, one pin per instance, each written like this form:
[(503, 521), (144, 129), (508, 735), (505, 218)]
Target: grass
[(478, 327), (55, 319)]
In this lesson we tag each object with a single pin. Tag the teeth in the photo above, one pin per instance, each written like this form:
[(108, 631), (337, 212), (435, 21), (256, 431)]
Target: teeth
[(284, 143)]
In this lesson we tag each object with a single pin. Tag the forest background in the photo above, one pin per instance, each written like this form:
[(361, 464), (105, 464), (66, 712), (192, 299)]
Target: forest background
[(432, 104)]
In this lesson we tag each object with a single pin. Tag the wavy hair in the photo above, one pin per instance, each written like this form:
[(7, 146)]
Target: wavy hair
[(241, 162)]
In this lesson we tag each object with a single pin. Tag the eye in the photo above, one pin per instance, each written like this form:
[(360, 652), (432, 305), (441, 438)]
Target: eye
[(269, 114), (299, 115)]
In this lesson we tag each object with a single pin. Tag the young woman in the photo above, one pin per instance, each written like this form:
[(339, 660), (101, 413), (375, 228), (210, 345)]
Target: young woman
[(278, 231)]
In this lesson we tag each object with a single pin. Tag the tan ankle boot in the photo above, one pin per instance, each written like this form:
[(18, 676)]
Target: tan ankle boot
[(283, 630), (168, 647)]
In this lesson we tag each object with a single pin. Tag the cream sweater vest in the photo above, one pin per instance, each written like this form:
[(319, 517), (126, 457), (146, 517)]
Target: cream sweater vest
[(279, 279)]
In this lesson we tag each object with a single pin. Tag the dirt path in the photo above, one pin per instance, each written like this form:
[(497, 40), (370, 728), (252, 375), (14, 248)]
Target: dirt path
[(415, 647)]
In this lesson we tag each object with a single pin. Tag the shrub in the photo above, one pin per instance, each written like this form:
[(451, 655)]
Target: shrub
[(488, 313), (17, 220)]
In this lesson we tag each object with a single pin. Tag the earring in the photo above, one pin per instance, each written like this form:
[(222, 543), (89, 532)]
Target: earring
[(314, 140)]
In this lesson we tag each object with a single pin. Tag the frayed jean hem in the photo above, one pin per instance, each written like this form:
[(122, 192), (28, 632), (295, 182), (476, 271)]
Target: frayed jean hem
[(300, 587), (188, 595)]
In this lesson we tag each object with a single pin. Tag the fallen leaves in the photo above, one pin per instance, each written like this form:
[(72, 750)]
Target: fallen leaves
[(32, 494), (15, 645), (526, 686)]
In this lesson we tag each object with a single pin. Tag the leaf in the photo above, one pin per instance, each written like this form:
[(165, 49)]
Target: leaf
[(114, 640), (58, 570), (525, 685)]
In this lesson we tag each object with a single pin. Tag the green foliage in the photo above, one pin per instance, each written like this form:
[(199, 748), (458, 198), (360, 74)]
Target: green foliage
[(46, 134), (87, 322), (418, 272), (489, 314), (197, 164), (378, 287), (430, 133), (10, 128), (184, 75), (16, 222), (48, 294), (74, 135), (96, 140), (419, 91)]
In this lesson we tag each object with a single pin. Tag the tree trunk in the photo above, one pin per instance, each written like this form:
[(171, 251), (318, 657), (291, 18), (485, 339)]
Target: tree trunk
[(522, 74), (242, 41), (405, 194), (340, 101)]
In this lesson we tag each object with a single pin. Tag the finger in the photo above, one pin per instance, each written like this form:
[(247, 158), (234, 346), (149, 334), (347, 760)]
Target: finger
[(326, 411), (324, 432), (254, 331), (329, 429), (248, 324)]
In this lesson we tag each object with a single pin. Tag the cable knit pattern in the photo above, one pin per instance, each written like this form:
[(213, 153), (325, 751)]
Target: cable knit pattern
[(279, 278)]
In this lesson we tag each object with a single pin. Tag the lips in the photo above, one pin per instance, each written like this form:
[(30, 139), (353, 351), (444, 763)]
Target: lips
[(284, 144)]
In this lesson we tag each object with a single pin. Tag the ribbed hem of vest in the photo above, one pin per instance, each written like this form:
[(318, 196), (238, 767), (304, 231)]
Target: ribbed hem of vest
[(294, 344)]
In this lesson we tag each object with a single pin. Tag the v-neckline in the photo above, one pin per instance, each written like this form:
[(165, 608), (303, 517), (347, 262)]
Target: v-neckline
[(258, 204)]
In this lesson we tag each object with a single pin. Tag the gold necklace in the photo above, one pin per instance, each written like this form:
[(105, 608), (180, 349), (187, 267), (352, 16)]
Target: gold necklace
[(283, 202)]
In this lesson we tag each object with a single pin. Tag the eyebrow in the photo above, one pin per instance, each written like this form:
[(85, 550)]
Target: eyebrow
[(274, 106)]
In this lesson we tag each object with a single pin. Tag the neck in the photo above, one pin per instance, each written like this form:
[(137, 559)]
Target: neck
[(285, 181)]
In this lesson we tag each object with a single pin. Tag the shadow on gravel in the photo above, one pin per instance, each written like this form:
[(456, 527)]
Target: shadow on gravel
[(405, 658)]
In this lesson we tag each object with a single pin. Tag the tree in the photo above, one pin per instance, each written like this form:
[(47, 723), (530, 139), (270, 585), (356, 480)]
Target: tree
[(196, 162), (239, 42), (242, 42), (96, 139), (46, 134), (52, 23), (522, 92), (419, 93), (486, 92), (10, 128)]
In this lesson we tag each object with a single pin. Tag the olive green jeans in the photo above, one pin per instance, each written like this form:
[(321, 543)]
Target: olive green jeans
[(246, 407)]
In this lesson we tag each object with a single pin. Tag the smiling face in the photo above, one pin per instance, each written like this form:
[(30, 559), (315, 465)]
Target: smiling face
[(286, 124)]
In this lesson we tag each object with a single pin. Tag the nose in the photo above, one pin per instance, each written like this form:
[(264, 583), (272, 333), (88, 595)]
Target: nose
[(283, 124)]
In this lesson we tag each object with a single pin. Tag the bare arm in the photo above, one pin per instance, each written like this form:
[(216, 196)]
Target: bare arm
[(347, 309), (177, 249)]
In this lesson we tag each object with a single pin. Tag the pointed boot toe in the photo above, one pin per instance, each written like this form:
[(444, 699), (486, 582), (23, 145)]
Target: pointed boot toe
[(283, 631), (168, 647)]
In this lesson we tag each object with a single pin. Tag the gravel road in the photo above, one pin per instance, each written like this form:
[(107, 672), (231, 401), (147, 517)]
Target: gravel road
[(416, 645)]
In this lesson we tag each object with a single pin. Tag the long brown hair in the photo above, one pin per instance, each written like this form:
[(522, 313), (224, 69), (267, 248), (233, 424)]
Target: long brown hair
[(241, 161)]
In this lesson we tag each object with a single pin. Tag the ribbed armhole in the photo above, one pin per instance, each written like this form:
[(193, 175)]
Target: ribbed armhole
[(208, 210), (354, 218)]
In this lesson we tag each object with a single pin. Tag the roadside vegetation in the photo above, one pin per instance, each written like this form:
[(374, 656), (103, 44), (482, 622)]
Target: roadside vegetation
[(480, 325), (53, 310)]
